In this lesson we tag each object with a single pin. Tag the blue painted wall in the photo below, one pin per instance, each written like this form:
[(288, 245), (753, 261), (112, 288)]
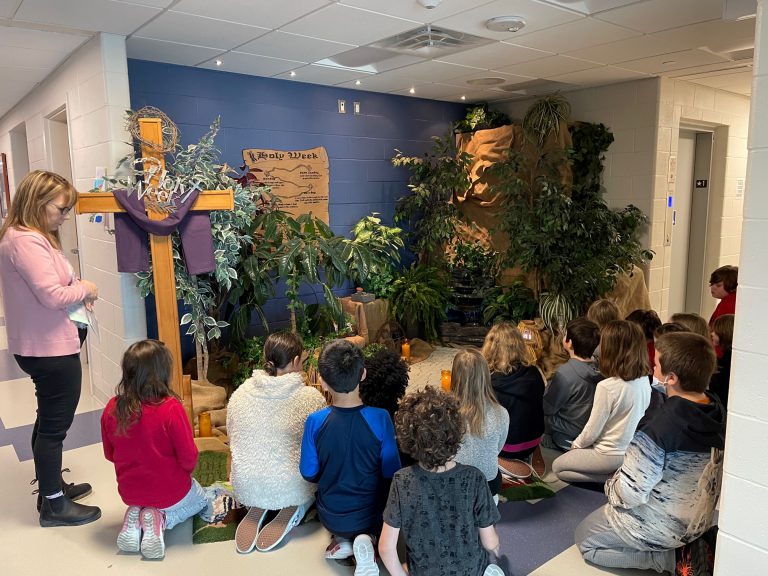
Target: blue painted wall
[(286, 115)]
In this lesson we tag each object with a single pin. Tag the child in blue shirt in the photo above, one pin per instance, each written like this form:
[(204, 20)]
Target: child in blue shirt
[(349, 451)]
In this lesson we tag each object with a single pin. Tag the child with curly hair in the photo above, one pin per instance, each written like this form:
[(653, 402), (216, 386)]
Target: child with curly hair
[(455, 498), (385, 381)]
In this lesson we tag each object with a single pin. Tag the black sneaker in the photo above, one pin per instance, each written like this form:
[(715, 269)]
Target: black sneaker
[(697, 558)]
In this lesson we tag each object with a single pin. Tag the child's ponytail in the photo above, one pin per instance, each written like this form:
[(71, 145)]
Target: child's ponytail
[(280, 348)]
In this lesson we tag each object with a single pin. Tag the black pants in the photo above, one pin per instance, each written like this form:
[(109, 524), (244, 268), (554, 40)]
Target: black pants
[(57, 387)]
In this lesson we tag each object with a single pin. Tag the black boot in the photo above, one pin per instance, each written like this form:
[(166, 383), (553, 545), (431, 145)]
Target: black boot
[(74, 491), (62, 511)]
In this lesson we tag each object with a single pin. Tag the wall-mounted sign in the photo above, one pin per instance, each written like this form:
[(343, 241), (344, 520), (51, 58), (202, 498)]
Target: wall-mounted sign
[(702, 183), (298, 177)]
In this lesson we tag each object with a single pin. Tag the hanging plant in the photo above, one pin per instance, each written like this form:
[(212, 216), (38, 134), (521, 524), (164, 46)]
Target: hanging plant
[(556, 311), (544, 116)]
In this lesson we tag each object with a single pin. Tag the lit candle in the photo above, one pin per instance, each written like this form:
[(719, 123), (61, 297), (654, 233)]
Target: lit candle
[(405, 350), (204, 424), (445, 380)]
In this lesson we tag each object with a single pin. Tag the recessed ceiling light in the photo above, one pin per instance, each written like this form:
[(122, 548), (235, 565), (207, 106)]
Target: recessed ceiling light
[(357, 82), (505, 24), (292, 74), (412, 91), (463, 97), (490, 81), (219, 62)]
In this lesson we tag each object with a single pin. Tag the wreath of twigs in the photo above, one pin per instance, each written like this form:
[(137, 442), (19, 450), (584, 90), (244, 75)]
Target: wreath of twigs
[(169, 130)]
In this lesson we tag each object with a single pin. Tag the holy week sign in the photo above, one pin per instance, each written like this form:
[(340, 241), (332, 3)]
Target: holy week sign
[(298, 177)]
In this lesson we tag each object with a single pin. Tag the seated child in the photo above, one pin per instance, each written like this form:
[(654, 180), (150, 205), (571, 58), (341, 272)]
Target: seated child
[(487, 422), (662, 499), (349, 451), (444, 509), (691, 322), (601, 312), (648, 321), (568, 397), (722, 338), (265, 422), (386, 378), (519, 388), (146, 433), (620, 401)]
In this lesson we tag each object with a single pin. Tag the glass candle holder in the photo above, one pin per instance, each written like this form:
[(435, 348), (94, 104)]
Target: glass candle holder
[(405, 351), (445, 380), (204, 428)]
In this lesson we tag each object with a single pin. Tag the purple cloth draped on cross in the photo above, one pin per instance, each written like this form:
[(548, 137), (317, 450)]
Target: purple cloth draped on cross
[(132, 227)]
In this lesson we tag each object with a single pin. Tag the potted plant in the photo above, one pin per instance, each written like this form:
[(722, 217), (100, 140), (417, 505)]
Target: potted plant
[(384, 244), (420, 296)]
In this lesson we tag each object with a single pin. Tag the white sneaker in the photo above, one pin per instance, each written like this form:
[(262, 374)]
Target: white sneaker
[(338, 549), (153, 526), (493, 570), (130, 535), (365, 556)]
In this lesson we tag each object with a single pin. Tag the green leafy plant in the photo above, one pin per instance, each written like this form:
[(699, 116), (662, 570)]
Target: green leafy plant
[(250, 356), (383, 243), (420, 294), (430, 211), (556, 311), (544, 116), (565, 234), (481, 118), (509, 304), (473, 262), (370, 350)]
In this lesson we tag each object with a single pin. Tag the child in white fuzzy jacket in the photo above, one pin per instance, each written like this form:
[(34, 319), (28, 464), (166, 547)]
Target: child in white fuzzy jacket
[(265, 422)]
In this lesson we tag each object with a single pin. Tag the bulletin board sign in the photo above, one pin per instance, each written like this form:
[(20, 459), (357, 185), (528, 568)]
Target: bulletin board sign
[(298, 177), (5, 189)]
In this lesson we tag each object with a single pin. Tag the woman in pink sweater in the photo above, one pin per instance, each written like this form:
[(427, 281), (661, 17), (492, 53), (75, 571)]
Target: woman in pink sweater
[(39, 290)]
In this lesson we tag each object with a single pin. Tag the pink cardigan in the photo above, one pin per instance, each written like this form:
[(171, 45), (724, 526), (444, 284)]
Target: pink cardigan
[(38, 286)]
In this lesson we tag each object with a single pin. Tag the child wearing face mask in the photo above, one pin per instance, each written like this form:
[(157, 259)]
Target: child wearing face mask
[(661, 501)]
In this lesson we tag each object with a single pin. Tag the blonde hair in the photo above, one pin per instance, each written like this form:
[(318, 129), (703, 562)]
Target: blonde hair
[(504, 349), (471, 383), (623, 351), (34, 192), (691, 322), (603, 311)]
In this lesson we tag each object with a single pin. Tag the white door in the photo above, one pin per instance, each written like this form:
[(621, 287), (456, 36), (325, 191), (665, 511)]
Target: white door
[(61, 162)]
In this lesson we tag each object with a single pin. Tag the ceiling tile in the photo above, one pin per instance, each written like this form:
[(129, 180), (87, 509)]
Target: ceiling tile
[(494, 56), (199, 31), (433, 71), (251, 64), (673, 61), (575, 35), (432, 91), (629, 49), (154, 3), (325, 75), (21, 76), (267, 13), (604, 75), (412, 10), (740, 82), (717, 34), (94, 15), (7, 8), (655, 15), (590, 6), (537, 16), (384, 82), (550, 66), (40, 40), (30, 58), (369, 60), (170, 52), (349, 25), (280, 44)]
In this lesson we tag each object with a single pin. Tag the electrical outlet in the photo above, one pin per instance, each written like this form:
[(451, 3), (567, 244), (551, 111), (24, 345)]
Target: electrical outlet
[(356, 107), (342, 107)]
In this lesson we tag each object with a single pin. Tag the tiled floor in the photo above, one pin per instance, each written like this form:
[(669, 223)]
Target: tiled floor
[(537, 537)]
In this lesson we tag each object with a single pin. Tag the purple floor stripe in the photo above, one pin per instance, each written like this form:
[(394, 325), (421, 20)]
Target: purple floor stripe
[(85, 430), (532, 534), (9, 370)]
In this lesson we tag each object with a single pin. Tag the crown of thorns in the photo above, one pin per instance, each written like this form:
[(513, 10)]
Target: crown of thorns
[(169, 130)]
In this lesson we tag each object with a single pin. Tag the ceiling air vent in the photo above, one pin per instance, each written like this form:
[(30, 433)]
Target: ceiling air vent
[(431, 42)]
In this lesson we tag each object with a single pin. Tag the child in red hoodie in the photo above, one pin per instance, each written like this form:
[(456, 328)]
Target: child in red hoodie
[(147, 435)]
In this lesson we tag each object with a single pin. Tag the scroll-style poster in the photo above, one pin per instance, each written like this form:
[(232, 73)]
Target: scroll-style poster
[(298, 177)]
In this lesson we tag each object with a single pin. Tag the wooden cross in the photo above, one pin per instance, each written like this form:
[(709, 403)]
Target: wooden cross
[(162, 253)]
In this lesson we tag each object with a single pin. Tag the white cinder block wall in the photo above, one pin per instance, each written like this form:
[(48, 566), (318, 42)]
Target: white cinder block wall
[(743, 539), (645, 118), (93, 83)]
